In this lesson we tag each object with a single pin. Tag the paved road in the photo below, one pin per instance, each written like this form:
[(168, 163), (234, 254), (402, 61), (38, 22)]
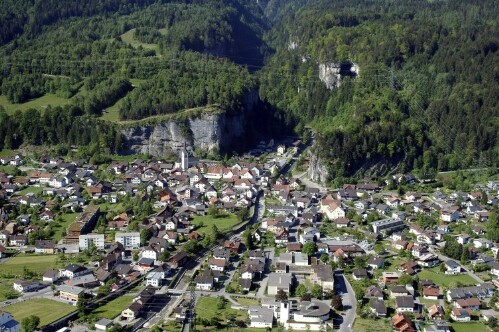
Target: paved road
[(349, 301), (468, 271)]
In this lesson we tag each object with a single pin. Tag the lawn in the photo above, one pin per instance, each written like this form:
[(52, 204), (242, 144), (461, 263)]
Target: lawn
[(370, 325), (206, 309), (246, 301), (427, 302), (224, 224), (113, 308), (60, 227), (445, 280), (38, 103), (30, 189), (469, 327), (47, 310), (36, 263)]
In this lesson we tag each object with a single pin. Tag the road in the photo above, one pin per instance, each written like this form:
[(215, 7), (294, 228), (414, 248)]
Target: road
[(349, 303), (445, 258), (309, 183)]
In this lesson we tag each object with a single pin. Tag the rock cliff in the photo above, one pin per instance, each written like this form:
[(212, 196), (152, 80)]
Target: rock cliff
[(212, 131), (331, 74), (317, 170)]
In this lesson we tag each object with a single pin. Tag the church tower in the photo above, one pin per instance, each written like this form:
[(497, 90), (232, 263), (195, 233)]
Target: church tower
[(284, 312), (184, 159)]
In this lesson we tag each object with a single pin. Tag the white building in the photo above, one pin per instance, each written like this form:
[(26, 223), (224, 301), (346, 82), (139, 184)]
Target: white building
[(86, 241), (154, 279), (129, 240), (261, 317)]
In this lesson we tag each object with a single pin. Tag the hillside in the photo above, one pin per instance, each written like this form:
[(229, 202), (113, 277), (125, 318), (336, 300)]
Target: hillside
[(387, 86)]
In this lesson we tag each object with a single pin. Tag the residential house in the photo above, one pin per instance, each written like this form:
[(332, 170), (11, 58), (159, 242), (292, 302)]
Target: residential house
[(70, 293), (8, 323), (470, 304), (378, 307), (404, 303), (204, 282), (436, 312), (452, 267), (460, 315), (374, 292), (44, 247), (26, 286), (402, 323)]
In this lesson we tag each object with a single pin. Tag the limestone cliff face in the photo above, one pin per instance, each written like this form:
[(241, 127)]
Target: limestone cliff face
[(212, 131), (331, 74), (317, 170)]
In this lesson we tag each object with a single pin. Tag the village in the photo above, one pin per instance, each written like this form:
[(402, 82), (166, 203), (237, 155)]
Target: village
[(248, 244)]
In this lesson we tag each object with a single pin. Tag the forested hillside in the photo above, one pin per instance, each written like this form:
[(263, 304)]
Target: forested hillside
[(425, 97)]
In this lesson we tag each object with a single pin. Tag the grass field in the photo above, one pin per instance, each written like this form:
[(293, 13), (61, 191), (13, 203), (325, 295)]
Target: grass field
[(206, 308), (370, 325), (469, 327), (246, 301), (47, 310), (30, 189), (128, 38), (442, 279), (113, 308), (36, 263), (112, 113), (61, 227), (224, 224), (38, 103)]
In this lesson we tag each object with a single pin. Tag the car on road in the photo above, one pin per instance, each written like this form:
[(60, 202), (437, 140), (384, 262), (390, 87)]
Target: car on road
[(343, 314)]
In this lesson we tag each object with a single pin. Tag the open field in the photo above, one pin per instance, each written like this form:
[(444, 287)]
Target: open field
[(36, 263), (206, 309), (469, 327), (112, 113), (224, 224), (38, 103), (47, 310), (128, 38), (370, 325), (113, 308), (445, 280)]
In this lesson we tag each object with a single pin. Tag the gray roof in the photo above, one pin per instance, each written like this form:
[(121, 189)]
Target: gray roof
[(71, 289), (481, 290), (261, 315), (378, 306), (405, 302), (313, 309), (279, 280), (452, 264)]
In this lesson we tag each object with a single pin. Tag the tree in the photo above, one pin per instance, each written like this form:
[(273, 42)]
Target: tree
[(164, 256), (405, 279), (242, 214), (306, 297), (492, 323), (337, 302), (215, 231), (81, 305), (248, 239), (309, 248), (145, 234), (466, 255), (301, 290), (30, 323), (213, 211), (316, 291), (281, 296), (324, 258), (135, 256)]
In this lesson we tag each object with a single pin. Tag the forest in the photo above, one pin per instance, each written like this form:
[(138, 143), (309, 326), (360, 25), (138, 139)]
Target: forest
[(425, 98)]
